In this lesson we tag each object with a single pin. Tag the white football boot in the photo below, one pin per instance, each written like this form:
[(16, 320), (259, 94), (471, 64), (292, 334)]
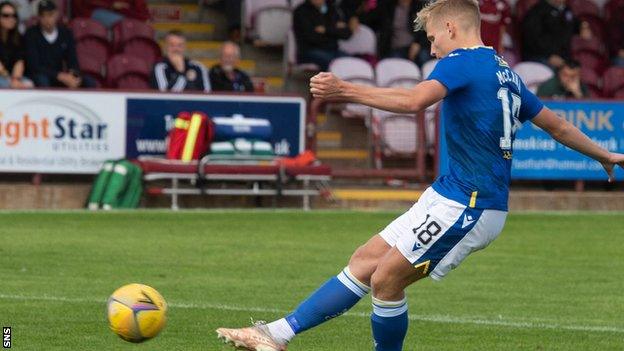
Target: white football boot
[(256, 338)]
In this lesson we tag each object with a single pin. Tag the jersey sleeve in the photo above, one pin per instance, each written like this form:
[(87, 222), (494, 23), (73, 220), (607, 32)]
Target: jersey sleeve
[(530, 104), (451, 72)]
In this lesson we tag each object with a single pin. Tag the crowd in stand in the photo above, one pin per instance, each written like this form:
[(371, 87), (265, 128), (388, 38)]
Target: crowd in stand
[(545, 31), (554, 32), (45, 53)]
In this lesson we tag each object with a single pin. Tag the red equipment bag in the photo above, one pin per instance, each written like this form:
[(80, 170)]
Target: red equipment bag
[(191, 136)]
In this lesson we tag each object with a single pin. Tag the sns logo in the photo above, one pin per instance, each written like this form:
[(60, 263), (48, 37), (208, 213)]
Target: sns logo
[(49, 119), (6, 337)]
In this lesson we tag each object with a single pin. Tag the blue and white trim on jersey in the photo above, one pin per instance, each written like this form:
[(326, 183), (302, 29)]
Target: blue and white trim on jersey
[(389, 308), (352, 283)]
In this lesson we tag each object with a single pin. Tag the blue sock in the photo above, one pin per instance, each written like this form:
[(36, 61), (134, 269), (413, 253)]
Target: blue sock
[(389, 323), (332, 299)]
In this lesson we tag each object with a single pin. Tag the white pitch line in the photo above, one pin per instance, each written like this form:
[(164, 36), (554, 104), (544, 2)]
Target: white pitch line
[(421, 318)]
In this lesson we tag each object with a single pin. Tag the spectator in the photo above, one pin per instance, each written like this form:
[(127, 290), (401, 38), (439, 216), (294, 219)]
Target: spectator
[(51, 52), (615, 31), (177, 73), (11, 49), (397, 37), (547, 32), (317, 30), (495, 16), (566, 84), (109, 12), (225, 76)]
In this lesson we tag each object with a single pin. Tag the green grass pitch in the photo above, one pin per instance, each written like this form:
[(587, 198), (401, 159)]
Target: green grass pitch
[(550, 282)]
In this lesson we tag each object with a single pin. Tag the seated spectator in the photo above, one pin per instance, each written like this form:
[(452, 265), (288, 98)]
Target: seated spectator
[(397, 37), (51, 58), (109, 12), (177, 73), (318, 27), (495, 16), (547, 31), (224, 76), (11, 49), (566, 84)]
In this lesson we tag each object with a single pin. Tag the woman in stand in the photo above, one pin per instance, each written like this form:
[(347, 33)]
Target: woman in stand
[(11, 49)]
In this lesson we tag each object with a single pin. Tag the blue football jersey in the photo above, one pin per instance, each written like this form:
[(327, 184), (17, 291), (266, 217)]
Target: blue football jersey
[(485, 103)]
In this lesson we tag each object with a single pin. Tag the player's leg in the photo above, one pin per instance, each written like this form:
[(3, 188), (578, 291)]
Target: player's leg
[(331, 299), (434, 246)]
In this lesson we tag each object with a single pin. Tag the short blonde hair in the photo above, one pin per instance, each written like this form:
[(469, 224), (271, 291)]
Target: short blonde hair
[(467, 10)]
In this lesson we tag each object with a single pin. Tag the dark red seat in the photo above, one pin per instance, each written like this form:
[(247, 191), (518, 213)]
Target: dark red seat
[(127, 72), (584, 7), (613, 80), (147, 51), (130, 29), (581, 45), (592, 61), (593, 82), (88, 28)]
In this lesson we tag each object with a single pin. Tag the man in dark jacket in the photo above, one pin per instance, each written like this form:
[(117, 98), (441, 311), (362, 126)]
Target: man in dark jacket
[(175, 72), (224, 76), (397, 37), (547, 32), (318, 27), (51, 52)]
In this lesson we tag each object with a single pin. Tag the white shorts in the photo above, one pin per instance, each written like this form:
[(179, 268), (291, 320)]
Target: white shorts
[(436, 234)]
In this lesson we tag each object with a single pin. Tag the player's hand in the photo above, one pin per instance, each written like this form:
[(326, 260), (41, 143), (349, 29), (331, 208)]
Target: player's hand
[(326, 85), (609, 166)]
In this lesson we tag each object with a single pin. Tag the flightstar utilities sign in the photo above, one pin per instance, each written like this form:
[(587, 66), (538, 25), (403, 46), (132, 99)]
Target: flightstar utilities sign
[(60, 132)]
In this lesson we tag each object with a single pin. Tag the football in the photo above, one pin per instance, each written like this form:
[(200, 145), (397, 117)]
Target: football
[(136, 312)]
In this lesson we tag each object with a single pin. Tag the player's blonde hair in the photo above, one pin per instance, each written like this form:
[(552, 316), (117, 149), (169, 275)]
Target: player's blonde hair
[(467, 11)]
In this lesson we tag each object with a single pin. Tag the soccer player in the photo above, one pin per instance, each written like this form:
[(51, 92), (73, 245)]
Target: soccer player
[(484, 102)]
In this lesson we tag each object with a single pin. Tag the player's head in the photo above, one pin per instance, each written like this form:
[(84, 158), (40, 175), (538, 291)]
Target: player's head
[(450, 24)]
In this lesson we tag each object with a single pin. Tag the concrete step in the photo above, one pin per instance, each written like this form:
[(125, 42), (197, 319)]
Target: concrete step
[(170, 12), (192, 30), (328, 139)]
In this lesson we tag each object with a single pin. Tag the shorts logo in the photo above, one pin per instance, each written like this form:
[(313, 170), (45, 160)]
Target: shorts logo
[(468, 220)]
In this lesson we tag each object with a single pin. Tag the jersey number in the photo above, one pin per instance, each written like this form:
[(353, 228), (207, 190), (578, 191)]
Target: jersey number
[(510, 115)]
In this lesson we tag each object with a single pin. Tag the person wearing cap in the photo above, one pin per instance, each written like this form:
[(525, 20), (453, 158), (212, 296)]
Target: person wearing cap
[(51, 58)]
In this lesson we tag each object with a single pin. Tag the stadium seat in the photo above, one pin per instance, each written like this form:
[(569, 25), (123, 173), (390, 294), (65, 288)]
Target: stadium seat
[(127, 72), (591, 60), (88, 28), (394, 135), (619, 94), (290, 59), (613, 81), (92, 56), (584, 7), (356, 70), (428, 67), (393, 72), (533, 74), (130, 29), (593, 82), (93, 67), (581, 45), (362, 42), (143, 49), (295, 3), (267, 21)]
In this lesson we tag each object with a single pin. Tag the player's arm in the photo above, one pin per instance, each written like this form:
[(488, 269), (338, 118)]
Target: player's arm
[(400, 100), (567, 134)]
